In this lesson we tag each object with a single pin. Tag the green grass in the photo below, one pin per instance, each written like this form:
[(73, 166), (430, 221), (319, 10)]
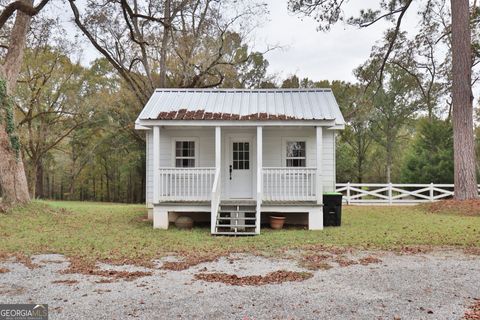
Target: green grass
[(115, 231)]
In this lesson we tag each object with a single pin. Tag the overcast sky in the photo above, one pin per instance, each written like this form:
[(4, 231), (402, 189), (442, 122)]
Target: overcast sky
[(313, 54)]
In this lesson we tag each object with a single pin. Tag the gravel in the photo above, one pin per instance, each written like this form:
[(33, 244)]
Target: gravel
[(437, 285)]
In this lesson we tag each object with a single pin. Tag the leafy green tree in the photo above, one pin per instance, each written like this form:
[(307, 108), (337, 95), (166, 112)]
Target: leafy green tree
[(430, 157)]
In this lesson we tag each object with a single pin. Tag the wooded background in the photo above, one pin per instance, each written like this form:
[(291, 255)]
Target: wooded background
[(75, 123)]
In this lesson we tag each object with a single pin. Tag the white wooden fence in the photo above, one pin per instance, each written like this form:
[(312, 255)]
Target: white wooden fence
[(289, 184), (393, 193), (186, 184)]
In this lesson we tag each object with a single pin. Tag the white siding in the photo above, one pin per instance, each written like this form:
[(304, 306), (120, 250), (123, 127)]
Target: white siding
[(205, 138), (274, 141)]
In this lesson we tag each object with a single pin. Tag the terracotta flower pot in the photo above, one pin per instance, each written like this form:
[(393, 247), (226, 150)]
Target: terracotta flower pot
[(183, 222), (276, 222)]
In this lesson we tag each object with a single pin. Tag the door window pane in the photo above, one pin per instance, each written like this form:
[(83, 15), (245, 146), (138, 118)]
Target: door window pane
[(241, 155)]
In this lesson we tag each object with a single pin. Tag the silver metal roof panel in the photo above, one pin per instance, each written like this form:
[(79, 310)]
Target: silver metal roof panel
[(242, 104)]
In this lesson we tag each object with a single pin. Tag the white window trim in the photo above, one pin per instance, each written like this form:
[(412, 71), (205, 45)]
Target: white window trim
[(284, 150), (197, 148)]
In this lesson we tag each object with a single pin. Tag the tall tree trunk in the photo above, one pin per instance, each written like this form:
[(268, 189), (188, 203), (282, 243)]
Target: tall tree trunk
[(462, 114), (12, 172)]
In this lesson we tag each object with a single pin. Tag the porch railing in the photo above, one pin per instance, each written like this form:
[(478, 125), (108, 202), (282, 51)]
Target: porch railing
[(186, 184), (289, 184)]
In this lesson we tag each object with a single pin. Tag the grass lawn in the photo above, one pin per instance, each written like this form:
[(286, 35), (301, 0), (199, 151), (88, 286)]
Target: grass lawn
[(116, 232)]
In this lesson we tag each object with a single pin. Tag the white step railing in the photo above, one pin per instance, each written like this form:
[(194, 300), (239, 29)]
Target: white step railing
[(289, 184), (393, 193), (186, 184), (215, 204)]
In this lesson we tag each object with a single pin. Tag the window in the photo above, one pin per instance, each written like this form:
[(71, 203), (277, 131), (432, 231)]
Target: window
[(296, 154), (241, 156), (184, 154)]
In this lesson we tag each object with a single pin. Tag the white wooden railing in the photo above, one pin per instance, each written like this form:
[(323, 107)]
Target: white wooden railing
[(393, 193), (186, 184), (289, 184), (215, 203)]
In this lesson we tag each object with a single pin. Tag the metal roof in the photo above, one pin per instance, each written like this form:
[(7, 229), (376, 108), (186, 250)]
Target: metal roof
[(242, 104)]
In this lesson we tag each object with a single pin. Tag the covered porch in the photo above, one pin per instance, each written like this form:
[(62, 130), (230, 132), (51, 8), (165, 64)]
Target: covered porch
[(205, 167)]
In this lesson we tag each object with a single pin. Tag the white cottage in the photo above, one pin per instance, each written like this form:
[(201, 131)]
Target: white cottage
[(235, 156)]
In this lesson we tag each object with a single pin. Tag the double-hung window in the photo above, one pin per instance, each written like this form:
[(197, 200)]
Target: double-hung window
[(185, 154), (296, 154)]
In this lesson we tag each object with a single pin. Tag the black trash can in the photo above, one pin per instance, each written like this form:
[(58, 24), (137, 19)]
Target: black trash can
[(332, 209)]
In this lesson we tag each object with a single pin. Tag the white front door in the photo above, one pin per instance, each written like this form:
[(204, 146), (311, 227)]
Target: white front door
[(240, 167)]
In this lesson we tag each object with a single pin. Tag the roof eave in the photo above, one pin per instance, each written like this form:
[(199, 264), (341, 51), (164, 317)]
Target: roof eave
[(146, 124)]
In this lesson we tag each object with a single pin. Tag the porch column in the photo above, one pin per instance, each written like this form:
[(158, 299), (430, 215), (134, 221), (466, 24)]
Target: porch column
[(218, 147), (259, 178), (156, 164), (319, 157), (259, 164)]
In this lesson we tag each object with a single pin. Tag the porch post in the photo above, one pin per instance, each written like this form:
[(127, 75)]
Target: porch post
[(156, 164), (259, 163), (319, 157), (218, 147), (259, 177)]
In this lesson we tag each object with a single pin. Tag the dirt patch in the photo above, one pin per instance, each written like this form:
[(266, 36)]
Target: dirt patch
[(473, 312), (89, 268), (275, 277), (460, 207), (4, 270), (67, 282), (188, 261)]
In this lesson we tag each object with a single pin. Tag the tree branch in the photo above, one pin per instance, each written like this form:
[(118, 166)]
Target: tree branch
[(22, 6)]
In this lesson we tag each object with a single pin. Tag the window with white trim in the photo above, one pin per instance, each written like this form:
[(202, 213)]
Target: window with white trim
[(296, 154), (184, 154)]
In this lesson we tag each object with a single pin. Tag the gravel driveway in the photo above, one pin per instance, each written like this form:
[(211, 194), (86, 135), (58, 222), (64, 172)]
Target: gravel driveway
[(437, 285)]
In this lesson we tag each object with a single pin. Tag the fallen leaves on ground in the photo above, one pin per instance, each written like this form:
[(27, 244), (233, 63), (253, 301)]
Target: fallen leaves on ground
[(342, 262), (368, 260), (66, 281), (414, 249), (4, 270), (321, 261), (316, 262), (473, 312), (89, 268), (188, 261), (473, 251), (461, 207), (27, 261), (275, 277)]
